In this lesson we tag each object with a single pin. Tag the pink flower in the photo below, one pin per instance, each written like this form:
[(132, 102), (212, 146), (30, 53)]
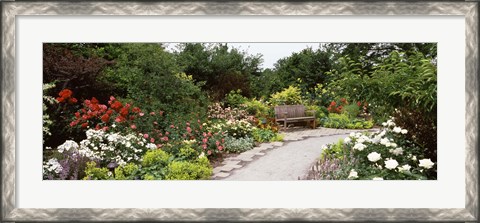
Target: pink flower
[(205, 140), (204, 146), (152, 140), (220, 148), (152, 113), (133, 126), (189, 130), (172, 126), (141, 114), (209, 152), (167, 133), (217, 143), (188, 123), (223, 140), (155, 123), (204, 134), (145, 136), (165, 138), (209, 134), (159, 145)]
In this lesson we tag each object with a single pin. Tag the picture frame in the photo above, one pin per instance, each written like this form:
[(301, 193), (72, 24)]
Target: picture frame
[(10, 10)]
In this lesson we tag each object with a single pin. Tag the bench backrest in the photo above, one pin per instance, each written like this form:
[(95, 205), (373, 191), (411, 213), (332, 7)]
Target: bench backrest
[(293, 111)]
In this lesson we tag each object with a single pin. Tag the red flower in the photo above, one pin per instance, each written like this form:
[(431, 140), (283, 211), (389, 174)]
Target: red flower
[(77, 114), (359, 104), (116, 106), (119, 119), (74, 123), (105, 118), (85, 125), (65, 93), (72, 100), (136, 109), (94, 100), (124, 111)]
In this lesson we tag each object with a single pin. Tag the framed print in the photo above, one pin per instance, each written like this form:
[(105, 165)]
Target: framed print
[(41, 41)]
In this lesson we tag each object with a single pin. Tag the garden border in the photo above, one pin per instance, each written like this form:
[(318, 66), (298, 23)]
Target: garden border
[(12, 9)]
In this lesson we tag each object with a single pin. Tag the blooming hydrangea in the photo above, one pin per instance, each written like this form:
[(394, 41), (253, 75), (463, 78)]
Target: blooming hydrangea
[(67, 145), (374, 157), (391, 164), (426, 163)]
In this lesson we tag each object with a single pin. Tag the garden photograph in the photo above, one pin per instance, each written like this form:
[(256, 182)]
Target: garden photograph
[(239, 111)]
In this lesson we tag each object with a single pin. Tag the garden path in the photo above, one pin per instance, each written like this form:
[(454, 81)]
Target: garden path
[(286, 160)]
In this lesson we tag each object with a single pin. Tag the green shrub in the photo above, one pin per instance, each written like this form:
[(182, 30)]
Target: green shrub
[(265, 135), (154, 164), (92, 172), (258, 108), (336, 150), (342, 121), (181, 170), (238, 145), (289, 96), (127, 172), (351, 110), (234, 99)]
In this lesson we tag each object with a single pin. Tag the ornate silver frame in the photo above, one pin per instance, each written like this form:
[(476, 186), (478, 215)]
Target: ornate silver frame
[(12, 9)]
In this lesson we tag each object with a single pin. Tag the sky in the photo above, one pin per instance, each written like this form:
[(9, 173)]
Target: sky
[(271, 52)]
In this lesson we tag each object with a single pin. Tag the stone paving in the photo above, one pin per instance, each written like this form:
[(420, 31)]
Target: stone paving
[(232, 163)]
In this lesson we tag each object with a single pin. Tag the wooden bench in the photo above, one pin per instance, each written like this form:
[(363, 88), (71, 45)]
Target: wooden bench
[(293, 113)]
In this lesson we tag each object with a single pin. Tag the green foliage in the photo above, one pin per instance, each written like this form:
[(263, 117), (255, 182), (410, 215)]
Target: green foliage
[(220, 67), (335, 151), (181, 170), (306, 68), (234, 99), (238, 145), (154, 164), (342, 121), (289, 96), (150, 76), (92, 172), (351, 110), (258, 108), (127, 172), (266, 135)]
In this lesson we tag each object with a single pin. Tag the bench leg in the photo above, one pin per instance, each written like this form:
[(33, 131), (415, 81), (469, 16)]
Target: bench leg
[(285, 124)]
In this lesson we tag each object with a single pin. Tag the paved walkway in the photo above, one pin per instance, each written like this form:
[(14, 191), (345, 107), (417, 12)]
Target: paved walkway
[(286, 160)]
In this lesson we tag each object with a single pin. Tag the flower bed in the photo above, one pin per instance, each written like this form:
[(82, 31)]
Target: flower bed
[(386, 154)]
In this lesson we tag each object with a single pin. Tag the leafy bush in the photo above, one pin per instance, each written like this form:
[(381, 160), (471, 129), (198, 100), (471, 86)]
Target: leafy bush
[(92, 172), (258, 108), (181, 170), (289, 96), (265, 135), (128, 172), (238, 145), (342, 121), (234, 99), (154, 164), (352, 110)]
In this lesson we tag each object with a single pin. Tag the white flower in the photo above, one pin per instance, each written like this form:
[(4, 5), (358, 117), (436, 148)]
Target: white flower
[(359, 146), (352, 134), (404, 131), (113, 126), (391, 144), (426, 163), (384, 124), (397, 151), (201, 155), (414, 158), (361, 140), (67, 145), (324, 147), (384, 141), (353, 174), (405, 167), (347, 140), (377, 178), (128, 144), (109, 174), (151, 146), (382, 133), (397, 129), (391, 164), (374, 156)]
